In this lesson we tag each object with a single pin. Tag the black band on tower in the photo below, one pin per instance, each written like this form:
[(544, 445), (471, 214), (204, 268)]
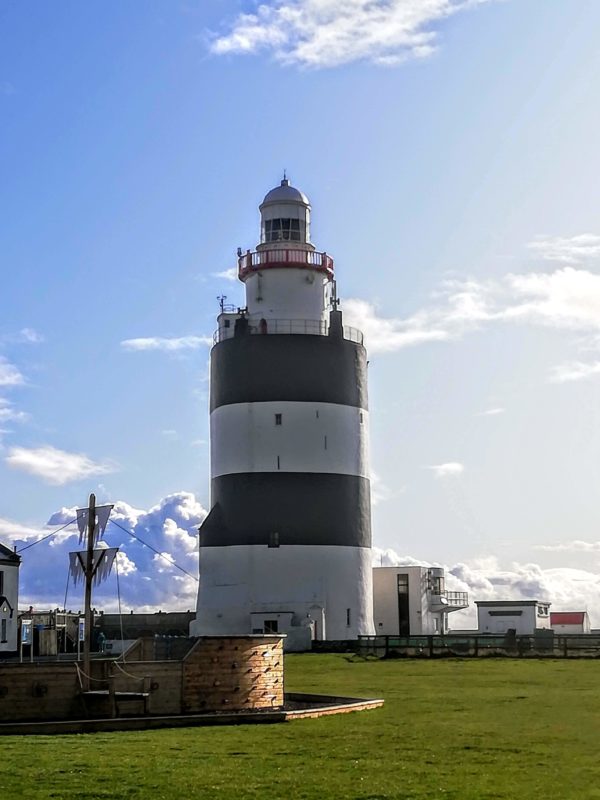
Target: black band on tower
[(303, 508), (303, 368)]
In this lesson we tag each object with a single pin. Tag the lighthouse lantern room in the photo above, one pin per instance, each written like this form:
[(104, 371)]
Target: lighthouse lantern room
[(286, 547)]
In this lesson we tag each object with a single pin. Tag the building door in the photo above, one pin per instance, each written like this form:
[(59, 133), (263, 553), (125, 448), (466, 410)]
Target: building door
[(271, 626), (403, 618)]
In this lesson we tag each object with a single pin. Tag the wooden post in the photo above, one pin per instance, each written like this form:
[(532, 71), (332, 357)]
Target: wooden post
[(89, 574)]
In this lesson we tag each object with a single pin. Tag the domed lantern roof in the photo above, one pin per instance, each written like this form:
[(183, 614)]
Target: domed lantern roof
[(285, 193)]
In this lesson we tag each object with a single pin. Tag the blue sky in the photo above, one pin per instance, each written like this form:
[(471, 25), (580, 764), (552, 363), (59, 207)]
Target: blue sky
[(450, 154)]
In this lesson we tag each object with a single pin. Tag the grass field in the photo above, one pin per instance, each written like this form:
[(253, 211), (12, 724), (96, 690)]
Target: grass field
[(496, 728)]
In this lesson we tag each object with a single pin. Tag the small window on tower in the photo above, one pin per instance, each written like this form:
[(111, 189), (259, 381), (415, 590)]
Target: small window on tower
[(348, 617), (278, 419), (226, 323), (271, 626)]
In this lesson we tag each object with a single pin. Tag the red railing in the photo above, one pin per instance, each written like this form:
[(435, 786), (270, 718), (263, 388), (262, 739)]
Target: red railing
[(264, 259)]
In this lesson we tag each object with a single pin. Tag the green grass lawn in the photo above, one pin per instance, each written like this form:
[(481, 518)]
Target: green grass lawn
[(495, 728)]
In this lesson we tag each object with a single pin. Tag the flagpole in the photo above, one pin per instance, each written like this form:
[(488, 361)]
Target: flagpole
[(89, 574)]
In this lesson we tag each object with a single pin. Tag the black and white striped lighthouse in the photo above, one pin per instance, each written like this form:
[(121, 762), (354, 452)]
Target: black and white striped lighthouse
[(287, 542)]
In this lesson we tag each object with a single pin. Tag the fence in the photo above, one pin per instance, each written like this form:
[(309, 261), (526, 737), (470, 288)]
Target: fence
[(311, 327), (543, 644)]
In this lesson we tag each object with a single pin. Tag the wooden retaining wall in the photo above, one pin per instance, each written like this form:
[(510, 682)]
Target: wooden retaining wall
[(219, 673), (45, 691)]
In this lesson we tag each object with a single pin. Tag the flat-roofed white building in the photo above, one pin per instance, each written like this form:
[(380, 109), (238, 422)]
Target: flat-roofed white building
[(570, 622), (9, 598), (522, 616), (413, 601)]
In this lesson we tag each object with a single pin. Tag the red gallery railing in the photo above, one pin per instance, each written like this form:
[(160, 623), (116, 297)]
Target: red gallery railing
[(251, 261)]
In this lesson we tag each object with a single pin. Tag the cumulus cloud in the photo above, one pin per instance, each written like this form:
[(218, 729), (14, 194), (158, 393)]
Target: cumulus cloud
[(327, 33), (574, 546), (451, 468), (54, 466), (568, 249), (484, 579), (167, 345), (147, 582), (9, 374)]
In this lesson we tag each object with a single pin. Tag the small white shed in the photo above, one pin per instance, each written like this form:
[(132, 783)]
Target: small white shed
[(522, 616)]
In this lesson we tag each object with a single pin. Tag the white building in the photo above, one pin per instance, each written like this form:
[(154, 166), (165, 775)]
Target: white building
[(286, 547), (522, 616), (9, 598), (570, 622), (413, 601)]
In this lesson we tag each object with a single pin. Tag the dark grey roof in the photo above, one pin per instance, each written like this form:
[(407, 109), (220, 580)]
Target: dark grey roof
[(6, 554), (512, 602)]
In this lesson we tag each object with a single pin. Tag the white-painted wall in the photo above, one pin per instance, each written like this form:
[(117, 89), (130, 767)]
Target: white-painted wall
[(524, 617), (423, 620), (321, 582), (11, 592), (312, 437), (287, 293)]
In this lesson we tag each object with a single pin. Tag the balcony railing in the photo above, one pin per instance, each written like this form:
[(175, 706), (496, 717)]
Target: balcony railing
[(310, 327), (457, 599), (265, 259)]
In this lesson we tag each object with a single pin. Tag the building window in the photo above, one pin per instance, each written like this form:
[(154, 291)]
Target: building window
[(317, 413), (325, 442), (361, 418), (437, 585), (4, 631), (278, 419), (278, 463), (282, 230), (226, 323), (274, 539), (271, 626), (348, 617)]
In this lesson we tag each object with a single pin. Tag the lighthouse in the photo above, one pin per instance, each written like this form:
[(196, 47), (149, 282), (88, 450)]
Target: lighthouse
[(286, 546)]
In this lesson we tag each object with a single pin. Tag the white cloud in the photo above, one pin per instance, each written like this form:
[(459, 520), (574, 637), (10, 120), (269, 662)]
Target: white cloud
[(451, 468), (568, 249), (575, 546), (55, 466), (227, 274), (327, 33), (574, 371), (567, 299), (167, 345), (9, 374), (10, 530), (8, 413), (491, 412)]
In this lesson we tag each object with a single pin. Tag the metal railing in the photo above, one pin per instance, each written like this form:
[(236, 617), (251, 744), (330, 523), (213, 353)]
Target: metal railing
[(457, 598), (251, 261), (306, 327), (544, 644)]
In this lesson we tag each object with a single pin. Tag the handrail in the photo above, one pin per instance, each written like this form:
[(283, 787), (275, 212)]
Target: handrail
[(310, 327), (251, 261)]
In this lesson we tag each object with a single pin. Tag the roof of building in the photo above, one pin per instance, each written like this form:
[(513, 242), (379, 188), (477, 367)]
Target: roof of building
[(285, 193), (567, 617), (511, 603), (6, 554)]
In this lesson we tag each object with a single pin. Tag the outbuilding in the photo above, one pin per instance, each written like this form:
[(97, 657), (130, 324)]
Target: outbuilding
[(570, 622), (9, 598), (522, 616)]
